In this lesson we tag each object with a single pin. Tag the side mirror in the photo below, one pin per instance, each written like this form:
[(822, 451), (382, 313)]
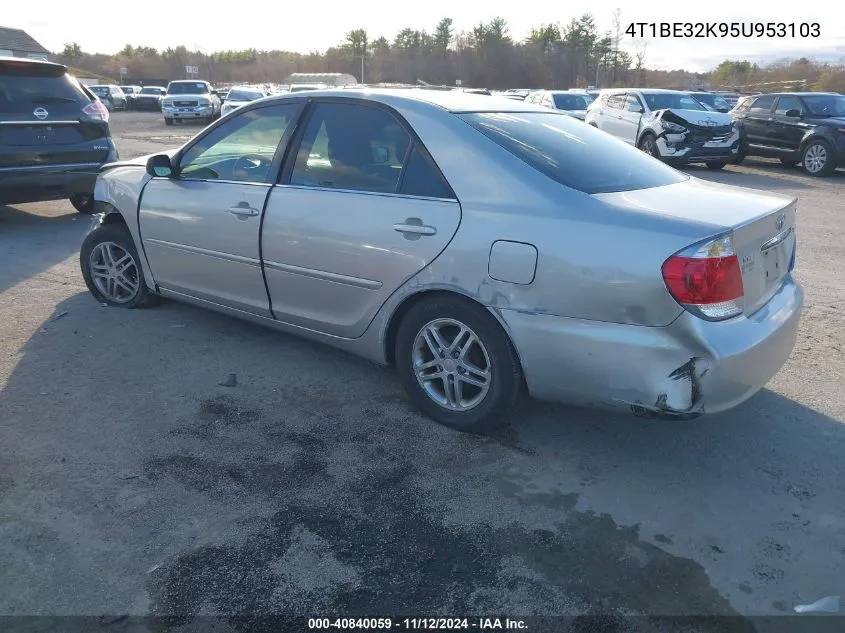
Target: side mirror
[(381, 155), (795, 113), (159, 166)]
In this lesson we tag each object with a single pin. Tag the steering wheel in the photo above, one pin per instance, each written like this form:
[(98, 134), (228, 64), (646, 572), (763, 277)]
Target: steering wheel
[(251, 167)]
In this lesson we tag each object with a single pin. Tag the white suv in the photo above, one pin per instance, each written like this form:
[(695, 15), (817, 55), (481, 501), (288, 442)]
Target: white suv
[(668, 124)]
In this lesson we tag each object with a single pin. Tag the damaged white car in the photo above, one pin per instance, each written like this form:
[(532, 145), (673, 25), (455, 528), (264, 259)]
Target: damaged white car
[(668, 124)]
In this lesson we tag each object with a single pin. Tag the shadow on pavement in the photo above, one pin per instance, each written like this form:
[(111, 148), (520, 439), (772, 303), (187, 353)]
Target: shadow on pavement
[(133, 476), (30, 243)]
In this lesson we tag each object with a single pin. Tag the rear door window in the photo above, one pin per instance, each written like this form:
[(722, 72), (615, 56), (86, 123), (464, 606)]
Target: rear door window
[(576, 155), (616, 102)]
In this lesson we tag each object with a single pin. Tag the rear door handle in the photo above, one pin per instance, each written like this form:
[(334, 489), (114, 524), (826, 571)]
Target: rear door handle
[(416, 229), (243, 210)]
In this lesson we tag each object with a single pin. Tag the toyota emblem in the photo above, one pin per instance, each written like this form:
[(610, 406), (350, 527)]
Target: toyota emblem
[(780, 221), (41, 113)]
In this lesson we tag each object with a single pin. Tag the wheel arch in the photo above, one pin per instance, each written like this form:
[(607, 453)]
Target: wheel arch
[(426, 294), (813, 135)]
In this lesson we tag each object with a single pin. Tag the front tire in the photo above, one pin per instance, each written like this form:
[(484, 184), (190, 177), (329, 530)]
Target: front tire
[(716, 165), (168, 121), (83, 202), (648, 144), (457, 364), (112, 269), (817, 158)]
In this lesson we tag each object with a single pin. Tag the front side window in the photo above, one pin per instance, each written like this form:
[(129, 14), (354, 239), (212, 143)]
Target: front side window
[(632, 104), (576, 155), (785, 104), (242, 149), (762, 105), (353, 147), (667, 100)]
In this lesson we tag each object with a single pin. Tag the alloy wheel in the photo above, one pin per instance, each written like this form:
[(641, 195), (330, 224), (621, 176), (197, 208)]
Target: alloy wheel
[(451, 364), (815, 158), (114, 272)]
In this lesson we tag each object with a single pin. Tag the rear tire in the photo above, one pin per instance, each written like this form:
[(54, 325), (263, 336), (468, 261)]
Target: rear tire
[(473, 382), (83, 202), (817, 159), (112, 269), (716, 165)]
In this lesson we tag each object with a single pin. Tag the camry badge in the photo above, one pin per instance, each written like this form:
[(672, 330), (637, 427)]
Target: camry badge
[(41, 113), (780, 221)]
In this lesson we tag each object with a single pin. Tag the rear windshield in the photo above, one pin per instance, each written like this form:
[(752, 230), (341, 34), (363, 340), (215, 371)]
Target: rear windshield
[(570, 102), (17, 87), (243, 95), (672, 100), (576, 155), (187, 88)]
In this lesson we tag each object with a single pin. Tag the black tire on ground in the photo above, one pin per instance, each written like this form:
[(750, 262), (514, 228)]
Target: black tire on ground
[(504, 377), (738, 160), (789, 162), (716, 164), (83, 202), (118, 237), (168, 121), (829, 161), (648, 144)]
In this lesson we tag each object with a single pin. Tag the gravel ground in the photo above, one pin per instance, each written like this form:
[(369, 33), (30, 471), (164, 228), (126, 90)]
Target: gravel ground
[(131, 482)]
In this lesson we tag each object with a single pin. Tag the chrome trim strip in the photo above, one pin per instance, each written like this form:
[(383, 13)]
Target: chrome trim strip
[(62, 166), (40, 122), (238, 259), (357, 282), (777, 239), (383, 194)]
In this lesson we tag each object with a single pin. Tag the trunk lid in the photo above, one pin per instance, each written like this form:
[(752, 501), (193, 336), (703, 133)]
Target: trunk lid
[(763, 226)]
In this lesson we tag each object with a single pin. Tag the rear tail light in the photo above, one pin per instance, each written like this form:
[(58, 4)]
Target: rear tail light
[(706, 279), (96, 110)]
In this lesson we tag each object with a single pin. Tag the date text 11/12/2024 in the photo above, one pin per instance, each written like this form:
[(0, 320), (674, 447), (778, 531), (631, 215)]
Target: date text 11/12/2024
[(418, 624)]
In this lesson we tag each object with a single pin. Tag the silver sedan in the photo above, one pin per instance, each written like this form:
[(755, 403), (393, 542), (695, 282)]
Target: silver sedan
[(484, 247)]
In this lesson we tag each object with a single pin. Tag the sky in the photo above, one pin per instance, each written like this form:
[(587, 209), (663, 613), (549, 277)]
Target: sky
[(309, 26)]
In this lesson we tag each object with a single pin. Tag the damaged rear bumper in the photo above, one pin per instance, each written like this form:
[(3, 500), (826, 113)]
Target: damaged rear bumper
[(680, 371)]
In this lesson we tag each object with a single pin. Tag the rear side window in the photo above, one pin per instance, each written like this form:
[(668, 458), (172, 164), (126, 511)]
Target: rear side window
[(576, 155), (420, 178), (19, 88), (616, 102)]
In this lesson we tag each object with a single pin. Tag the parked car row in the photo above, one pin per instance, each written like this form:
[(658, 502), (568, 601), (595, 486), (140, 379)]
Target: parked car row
[(681, 128)]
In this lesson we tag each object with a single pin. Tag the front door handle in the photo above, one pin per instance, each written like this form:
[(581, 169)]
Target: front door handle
[(415, 229), (243, 210)]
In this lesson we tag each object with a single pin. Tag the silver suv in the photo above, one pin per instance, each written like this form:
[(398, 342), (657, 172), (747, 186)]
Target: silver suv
[(190, 100)]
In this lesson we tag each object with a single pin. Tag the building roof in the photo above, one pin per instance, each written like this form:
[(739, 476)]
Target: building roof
[(18, 40)]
